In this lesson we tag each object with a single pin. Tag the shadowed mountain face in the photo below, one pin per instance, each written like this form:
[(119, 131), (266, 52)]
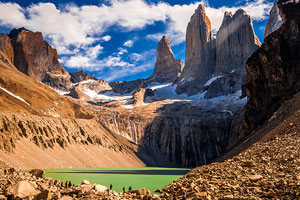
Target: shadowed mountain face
[(274, 21), (208, 57), (274, 70)]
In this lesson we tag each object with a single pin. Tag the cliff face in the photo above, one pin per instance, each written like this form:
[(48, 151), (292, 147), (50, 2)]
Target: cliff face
[(209, 59), (273, 70), (81, 76), (235, 42), (189, 135), (6, 47), (200, 53), (274, 21), (36, 58), (167, 68)]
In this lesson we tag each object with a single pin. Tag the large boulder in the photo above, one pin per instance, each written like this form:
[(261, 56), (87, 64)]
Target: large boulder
[(22, 189), (37, 172)]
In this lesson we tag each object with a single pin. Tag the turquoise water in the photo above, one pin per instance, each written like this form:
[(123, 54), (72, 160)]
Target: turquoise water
[(152, 178)]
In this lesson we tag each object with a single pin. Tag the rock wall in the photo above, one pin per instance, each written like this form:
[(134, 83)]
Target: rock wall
[(167, 68), (36, 58), (81, 76), (189, 135), (273, 70), (200, 53), (235, 42), (6, 47), (274, 21)]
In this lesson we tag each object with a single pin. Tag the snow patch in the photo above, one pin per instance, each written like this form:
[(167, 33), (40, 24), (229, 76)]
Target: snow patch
[(62, 92), (17, 97), (210, 81), (107, 96)]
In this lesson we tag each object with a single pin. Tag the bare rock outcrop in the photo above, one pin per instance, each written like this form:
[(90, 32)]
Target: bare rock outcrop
[(139, 97), (167, 68), (126, 87), (81, 76), (36, 58), (6, 47), (235, 42), (274, 21), (189, 135), (273, 70), (200, 53), (87, 90)]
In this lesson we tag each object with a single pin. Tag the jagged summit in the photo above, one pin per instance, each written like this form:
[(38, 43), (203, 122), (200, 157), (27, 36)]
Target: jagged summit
[(36, 58), (274, 21), (81, 76), (200, 53), (167, 68), (235, 42)]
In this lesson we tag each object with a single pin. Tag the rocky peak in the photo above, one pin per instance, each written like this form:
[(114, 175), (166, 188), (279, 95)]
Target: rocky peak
[(274, 69), (288, 9), (200, 53), (167, 68), (82, 76), (235, 42), (6, 47), (36, 58), (274, 21)]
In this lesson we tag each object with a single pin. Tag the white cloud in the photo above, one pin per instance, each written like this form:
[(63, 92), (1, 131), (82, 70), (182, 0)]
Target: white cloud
[(122, 51), (128, 43), (79, 25), (106, 38), (74, 30)]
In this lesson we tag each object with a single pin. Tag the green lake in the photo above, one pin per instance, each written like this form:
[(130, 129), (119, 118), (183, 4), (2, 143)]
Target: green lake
[(152, 178)]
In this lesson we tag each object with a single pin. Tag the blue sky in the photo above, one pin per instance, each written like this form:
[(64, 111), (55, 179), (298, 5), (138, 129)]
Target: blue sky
[(117, 39)]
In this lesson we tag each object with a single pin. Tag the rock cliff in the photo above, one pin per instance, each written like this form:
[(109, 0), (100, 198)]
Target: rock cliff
[(273, 70), (235, 42), (208, 58), (81, 76), (199, 55), (274, 21), (167, 68), (36, 58), (189, 135), (6, 47)]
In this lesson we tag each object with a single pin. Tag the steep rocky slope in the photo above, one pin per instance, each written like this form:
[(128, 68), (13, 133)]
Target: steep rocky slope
[(167, 68), (273, 70), (36, 58), (274, 21), (269, 169)]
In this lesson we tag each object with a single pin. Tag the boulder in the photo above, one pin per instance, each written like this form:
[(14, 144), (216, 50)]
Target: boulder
[(85, 182), (100, 188), (142, 191), (37, 173), (22, 189), (44, 195)]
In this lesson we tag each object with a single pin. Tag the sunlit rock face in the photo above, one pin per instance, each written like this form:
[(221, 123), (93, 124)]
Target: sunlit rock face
[(274, 21), (167, 68), (36, 58)]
